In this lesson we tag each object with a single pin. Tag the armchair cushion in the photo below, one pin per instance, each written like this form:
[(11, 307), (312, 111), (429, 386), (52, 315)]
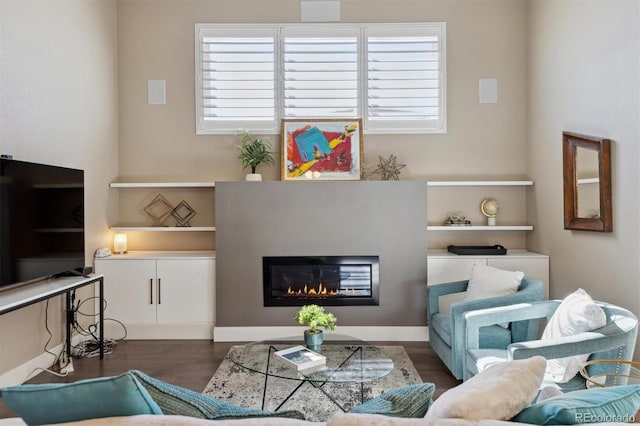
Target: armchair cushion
[(548, 392), (613, 404), (498, 393), (487, 281), (576, 314)]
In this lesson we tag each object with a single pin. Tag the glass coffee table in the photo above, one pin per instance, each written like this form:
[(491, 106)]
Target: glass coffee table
[(348, 361)]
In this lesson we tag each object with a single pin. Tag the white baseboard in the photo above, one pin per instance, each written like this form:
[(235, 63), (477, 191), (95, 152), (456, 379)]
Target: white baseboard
[(185, 331), (371, 334), (33, 367)]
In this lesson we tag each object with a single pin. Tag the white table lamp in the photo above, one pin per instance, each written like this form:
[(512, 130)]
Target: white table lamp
[(120, 243)]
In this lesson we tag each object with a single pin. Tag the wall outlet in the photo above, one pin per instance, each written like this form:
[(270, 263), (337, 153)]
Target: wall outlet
[(66, 367)]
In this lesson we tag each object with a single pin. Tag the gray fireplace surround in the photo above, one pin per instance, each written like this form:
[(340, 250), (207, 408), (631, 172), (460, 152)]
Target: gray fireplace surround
[(352, 218)]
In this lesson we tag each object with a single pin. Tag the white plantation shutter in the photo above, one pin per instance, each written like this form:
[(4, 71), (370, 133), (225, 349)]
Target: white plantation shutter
[(405, 89), (236, 83), (320, 75), (251, 76)]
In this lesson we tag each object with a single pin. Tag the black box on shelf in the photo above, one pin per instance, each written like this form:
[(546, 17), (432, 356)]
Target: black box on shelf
[(477, 250)]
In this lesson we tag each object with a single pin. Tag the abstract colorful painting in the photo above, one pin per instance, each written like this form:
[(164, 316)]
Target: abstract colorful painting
[(321, 149)]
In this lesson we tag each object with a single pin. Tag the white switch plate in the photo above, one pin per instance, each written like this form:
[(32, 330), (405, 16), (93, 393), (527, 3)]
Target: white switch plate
[(488, 90), (156, 93)]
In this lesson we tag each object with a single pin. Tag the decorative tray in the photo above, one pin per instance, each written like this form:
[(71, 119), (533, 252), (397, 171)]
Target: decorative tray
[(477, 250)]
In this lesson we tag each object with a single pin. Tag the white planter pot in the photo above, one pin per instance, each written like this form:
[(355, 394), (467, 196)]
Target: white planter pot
[(253, 177)]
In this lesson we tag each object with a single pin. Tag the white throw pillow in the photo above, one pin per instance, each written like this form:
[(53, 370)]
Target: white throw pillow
[(487, 281), (577, 313), (498, 393)]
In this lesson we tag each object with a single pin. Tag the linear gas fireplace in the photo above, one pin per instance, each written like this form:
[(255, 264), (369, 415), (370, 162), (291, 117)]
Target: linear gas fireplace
[(322, 280)]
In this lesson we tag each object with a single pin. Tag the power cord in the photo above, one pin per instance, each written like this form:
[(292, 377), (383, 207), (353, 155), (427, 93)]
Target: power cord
[(56, 358), (91, 347), (86, 348), (46, 327)]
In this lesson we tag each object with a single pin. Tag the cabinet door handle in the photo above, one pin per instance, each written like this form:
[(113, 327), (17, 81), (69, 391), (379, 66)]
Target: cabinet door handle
[(159, 291), (151, 291)]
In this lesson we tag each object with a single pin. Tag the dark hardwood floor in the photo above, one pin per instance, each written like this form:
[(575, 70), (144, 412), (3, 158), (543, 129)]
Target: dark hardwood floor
[(191, 363)]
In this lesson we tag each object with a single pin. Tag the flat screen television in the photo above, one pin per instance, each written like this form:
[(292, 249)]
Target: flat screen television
[(41, 222)]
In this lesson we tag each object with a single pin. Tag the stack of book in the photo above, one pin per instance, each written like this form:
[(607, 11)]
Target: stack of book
[(301, 357)]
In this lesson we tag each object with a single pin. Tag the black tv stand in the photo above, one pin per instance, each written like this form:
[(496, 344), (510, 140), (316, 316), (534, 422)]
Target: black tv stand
[(23, 296)]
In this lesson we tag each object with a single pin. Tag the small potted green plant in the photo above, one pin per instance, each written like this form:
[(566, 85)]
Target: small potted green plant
[(253, 152), (314, 316)]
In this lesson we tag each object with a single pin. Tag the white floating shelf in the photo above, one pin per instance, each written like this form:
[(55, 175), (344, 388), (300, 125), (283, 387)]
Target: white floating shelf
[(480, 183), (162, 184), (480, 228), (164, 228)]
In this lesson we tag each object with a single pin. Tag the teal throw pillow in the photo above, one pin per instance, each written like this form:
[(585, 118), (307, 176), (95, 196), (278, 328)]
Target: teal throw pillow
[(51, 403), (601, 405), (407, 401), (176, 400)]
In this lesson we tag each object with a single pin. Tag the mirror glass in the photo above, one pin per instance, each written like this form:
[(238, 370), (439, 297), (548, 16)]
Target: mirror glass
[(587, 182)]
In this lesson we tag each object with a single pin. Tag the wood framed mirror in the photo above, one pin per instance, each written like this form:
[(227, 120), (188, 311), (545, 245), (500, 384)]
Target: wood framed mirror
[(587, 182)]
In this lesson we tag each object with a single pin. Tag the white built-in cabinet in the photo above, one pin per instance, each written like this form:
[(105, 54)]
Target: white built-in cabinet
[(159, 295)]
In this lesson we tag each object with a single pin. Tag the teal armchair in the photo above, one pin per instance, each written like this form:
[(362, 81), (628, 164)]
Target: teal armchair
[(447, 330), (615, 341)]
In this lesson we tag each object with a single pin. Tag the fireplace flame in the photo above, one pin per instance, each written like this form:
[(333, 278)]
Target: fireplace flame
[(321, 290)]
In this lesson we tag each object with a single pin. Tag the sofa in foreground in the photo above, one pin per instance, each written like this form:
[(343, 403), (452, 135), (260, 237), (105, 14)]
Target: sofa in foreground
[(347, 419), (505, 394)]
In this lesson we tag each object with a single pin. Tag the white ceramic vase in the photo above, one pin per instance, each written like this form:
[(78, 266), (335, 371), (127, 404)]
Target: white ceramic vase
[(253, 177)]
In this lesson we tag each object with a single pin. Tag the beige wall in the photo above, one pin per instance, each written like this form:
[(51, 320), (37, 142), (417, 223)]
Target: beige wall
[(58, 105), (90, 47), (485, 39), (584, 69)]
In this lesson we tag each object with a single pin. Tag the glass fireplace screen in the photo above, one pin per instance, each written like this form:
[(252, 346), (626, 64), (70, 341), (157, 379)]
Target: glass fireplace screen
[(323, 280)]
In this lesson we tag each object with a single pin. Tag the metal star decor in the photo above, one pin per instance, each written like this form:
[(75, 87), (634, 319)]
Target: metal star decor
[(388, 169)]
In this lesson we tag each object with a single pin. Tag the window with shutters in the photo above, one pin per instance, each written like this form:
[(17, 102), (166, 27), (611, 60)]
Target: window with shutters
[(251, 76), (236, 78), (320, 76), (405, 79)]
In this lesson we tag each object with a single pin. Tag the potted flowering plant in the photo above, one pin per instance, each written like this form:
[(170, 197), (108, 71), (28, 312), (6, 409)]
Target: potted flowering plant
[(253, 152), (314, 316)]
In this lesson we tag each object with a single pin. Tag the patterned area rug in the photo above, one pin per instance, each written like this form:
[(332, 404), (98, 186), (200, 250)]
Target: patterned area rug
[(240, 386)]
